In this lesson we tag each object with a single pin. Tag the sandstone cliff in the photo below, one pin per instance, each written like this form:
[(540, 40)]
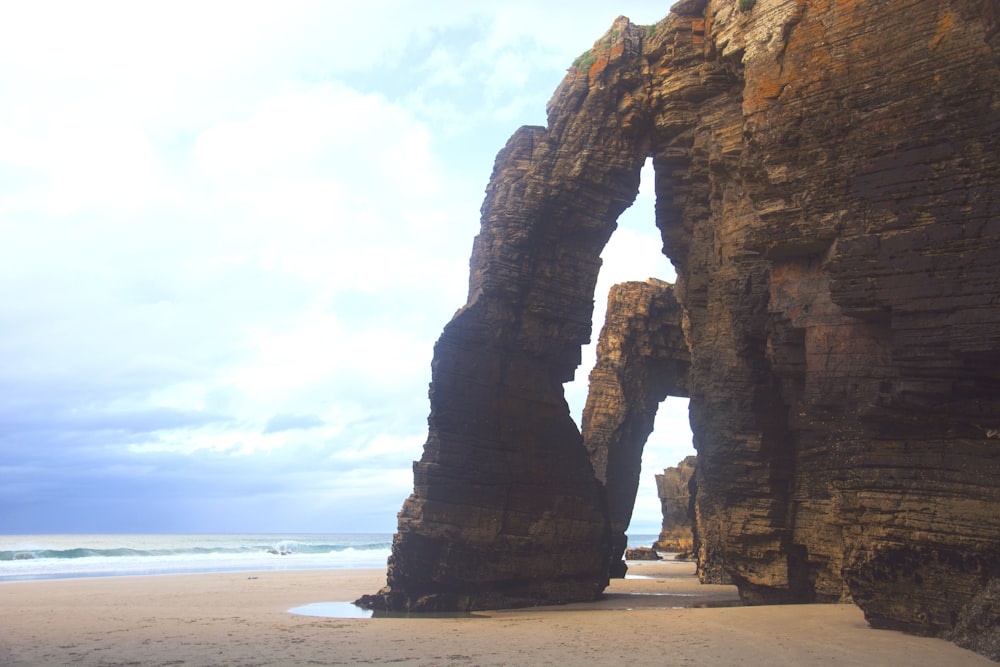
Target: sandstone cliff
[(673, 487), (828, 188)]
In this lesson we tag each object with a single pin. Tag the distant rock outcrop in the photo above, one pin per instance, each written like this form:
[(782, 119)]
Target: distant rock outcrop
[(828, 189), (673, 487), (641, 553)]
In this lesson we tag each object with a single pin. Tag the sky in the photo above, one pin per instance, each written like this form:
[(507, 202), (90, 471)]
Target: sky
[(231, 233)]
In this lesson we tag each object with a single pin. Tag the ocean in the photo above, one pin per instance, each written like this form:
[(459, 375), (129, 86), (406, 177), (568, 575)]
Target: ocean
[(27, 557)]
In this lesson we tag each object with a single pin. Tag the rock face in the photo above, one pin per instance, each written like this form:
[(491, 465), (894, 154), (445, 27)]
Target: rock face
[(642, 357), (828, 189), (506, 510), (834, 220), (674, 490)]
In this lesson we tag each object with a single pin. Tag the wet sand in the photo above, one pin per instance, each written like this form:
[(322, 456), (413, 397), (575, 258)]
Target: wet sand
[(660, 615)]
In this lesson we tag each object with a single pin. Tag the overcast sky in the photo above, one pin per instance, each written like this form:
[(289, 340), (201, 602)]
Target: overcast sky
[(232, 232)]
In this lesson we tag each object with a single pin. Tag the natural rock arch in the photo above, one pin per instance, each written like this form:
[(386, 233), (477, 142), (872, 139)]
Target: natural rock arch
[(642, 357), (506, 509), (828, 190)]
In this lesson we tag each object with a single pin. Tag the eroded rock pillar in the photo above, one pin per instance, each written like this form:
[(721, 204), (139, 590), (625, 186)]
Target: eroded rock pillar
[(673, 487), (506, 510)]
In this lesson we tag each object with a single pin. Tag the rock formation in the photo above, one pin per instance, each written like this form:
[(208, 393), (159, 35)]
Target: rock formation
[(642, 553), (674, 490), (828, 189), (642, 357), (505, 509)]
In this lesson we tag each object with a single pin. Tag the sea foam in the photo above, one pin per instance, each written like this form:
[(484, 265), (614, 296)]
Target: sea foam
[(67, 556)]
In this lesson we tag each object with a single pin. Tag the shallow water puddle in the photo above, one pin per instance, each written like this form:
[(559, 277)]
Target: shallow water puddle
[(332, 610), (629, 601), (351, 610)]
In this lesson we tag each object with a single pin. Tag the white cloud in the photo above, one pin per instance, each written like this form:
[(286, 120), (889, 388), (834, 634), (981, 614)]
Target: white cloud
[(215, 214), (328, 131), (322, 346), (89, 159)]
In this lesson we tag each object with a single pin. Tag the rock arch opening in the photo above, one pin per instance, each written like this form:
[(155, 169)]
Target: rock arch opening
[(642, 357), (506, 510), (634, 252), (638, 362)]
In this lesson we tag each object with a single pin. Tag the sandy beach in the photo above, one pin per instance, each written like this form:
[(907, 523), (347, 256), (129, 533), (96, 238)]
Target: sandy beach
[(660, 615)]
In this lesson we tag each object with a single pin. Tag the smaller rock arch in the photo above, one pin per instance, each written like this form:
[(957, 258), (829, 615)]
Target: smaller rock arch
[(642, 357)]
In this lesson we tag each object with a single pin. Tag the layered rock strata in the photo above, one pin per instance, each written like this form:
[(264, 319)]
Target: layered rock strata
[(828, 189), (673, 487), (832, 254), (506, 510), (642, 357)]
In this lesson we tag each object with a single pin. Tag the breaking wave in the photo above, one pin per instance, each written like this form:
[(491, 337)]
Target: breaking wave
[(54, 556)]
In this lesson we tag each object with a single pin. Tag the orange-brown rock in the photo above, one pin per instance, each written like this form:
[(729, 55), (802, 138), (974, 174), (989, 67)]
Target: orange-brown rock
[(828, 189)]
